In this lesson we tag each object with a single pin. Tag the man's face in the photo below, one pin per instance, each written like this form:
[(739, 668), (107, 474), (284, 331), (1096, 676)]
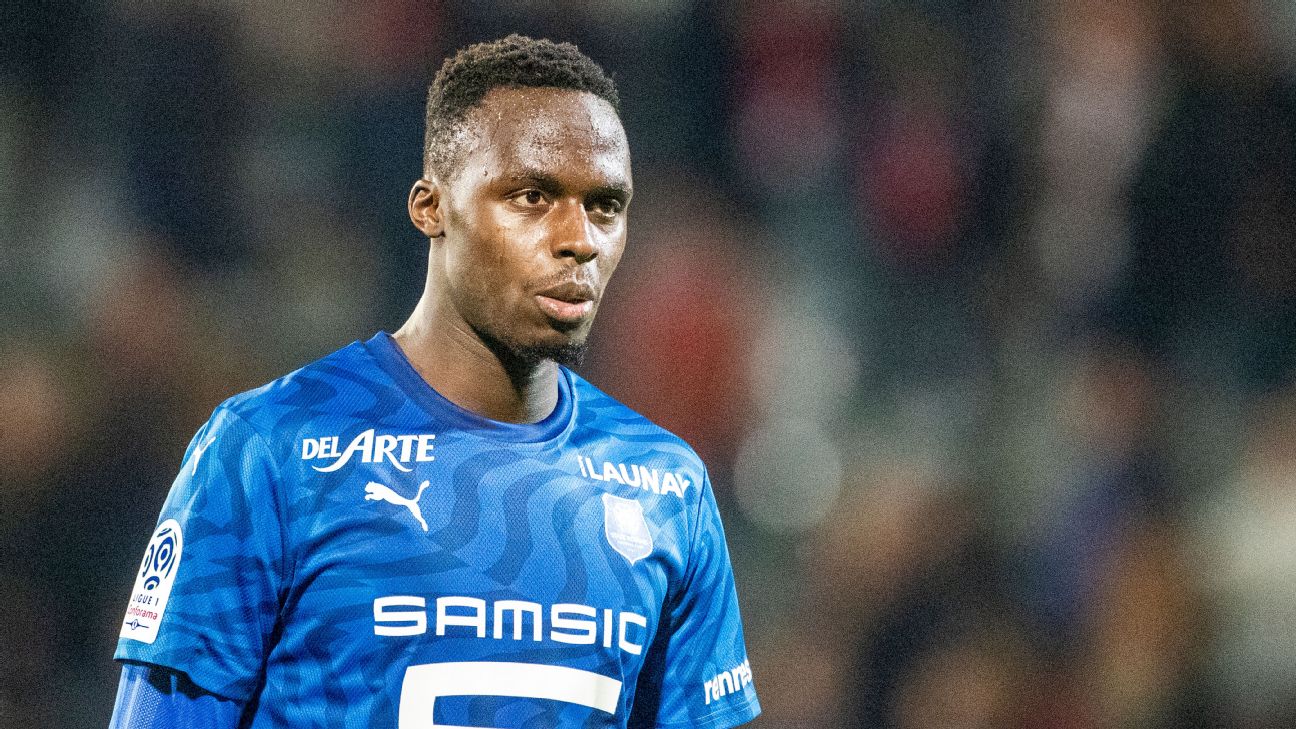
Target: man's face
[(535, 219)]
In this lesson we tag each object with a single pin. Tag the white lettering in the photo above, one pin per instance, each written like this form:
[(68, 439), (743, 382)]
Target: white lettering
[(398, 450), (625, 477), (427, 683), (634, 475), (477, 619), (570, 623), (406, 443), (560, 623), (363, 444), (622, 641), (518, 607), (425, 448), (727, 682), (383, 447), (415, 620), (672, 484), (651, 479), (610, 473)]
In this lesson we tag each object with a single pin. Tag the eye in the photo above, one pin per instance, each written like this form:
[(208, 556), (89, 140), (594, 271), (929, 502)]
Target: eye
[(608, 207), (529, 198)]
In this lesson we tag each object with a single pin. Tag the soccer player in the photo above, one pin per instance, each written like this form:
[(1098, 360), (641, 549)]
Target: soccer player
[(446, 526)]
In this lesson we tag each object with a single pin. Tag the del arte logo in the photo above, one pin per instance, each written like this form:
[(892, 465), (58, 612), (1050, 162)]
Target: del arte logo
[(394, 449)]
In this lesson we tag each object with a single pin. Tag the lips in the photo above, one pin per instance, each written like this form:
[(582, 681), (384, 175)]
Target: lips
[(568, 302)]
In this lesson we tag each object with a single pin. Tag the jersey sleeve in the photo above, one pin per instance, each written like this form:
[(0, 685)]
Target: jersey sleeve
[(208, 591), (153, 698), (697, 673)]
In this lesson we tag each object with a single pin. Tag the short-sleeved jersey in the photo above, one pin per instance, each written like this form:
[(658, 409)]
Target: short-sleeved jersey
[(345, 547)]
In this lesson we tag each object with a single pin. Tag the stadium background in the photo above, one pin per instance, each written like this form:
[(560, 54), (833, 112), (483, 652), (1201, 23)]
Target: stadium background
[(983, 314)]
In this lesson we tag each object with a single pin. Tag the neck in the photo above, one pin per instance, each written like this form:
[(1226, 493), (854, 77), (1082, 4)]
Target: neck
[(471, 373)]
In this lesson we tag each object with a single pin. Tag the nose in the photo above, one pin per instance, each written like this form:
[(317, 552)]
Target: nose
[(573, 235)]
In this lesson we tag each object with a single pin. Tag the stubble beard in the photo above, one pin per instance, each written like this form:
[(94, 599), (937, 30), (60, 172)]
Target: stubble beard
[(521, 358)]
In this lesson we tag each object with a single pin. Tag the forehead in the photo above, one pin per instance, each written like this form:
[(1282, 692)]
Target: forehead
[(552, 130)]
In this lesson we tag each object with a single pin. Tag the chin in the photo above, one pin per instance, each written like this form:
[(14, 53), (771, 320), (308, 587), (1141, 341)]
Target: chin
[(566, 349), (569, 354)]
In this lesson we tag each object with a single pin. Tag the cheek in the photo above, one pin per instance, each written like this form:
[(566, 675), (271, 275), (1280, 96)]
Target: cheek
[(489, 243), (469, 276), (486, 274), (612, 257)]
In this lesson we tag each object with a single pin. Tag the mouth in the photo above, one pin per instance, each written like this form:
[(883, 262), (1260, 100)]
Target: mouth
[(569, 303)]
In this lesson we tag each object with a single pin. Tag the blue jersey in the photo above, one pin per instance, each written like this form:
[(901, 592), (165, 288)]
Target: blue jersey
[(345, 547)]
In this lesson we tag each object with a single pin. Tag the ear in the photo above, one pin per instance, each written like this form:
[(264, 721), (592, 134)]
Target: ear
[(425, 209)]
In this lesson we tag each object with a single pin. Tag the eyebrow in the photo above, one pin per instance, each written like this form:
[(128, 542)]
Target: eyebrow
[(550, 184)]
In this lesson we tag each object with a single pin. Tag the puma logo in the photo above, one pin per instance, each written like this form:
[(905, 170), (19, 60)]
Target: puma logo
[(199, 450), (375, 491)]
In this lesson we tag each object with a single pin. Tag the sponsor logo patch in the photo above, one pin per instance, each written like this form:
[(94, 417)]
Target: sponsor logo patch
[(728, 682), (153, 583), (634, 475), (199, 450), (626, 528), (461, 616), (369, 447), (375, 491)]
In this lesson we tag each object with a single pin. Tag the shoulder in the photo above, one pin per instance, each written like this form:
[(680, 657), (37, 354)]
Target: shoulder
[(601, 412), (323, 387)]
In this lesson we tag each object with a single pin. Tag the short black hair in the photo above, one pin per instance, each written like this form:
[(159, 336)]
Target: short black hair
[(514, 61)]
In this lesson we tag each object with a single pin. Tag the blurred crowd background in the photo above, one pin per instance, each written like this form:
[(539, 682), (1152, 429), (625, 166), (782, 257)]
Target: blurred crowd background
[(983, 314)]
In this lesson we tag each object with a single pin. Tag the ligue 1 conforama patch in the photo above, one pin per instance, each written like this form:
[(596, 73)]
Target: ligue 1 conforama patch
[(626, 528), (153, 583)]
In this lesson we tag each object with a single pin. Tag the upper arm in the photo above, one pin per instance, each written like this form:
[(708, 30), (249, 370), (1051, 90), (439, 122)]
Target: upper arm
[(150, 697), (207, 595), (697, 673)]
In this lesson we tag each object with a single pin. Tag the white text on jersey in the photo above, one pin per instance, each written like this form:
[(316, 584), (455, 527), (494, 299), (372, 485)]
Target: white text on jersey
[(395, 449), (571, 623), (636, 476), (728, 682)]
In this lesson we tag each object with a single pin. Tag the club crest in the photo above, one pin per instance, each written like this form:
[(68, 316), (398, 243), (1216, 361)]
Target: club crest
[(626, 528)]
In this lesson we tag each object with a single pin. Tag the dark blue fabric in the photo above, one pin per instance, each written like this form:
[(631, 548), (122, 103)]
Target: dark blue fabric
[(153, 698)]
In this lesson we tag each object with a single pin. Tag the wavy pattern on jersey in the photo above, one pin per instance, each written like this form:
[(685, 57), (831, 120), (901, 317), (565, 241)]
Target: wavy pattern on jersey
[(275, 598), (219, 625), (518, 537)]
